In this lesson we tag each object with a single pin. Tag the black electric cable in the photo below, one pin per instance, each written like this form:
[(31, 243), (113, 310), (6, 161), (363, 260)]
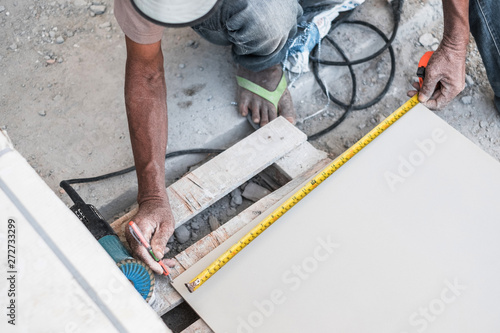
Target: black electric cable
[(348, 108), (342, 19), (396, 6), (132, 168), (386, 87), (66, 184)]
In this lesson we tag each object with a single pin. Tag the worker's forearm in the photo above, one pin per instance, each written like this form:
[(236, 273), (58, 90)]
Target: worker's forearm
[(456, 24), (145, 98)]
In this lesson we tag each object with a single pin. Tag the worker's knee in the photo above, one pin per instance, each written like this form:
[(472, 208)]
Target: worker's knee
[(262, 27)]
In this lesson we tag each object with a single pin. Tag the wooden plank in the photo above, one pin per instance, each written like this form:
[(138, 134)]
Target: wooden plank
[(198, 326), (166, 297), (300, 160), (202, 187)]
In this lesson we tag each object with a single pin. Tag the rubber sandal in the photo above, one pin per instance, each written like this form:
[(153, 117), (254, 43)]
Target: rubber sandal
[(271, 96)]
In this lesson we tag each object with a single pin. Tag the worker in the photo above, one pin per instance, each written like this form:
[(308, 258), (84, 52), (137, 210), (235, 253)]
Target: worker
[(257, 31)]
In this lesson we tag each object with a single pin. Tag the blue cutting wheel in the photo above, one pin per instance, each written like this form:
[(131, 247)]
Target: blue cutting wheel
[(140, 275)]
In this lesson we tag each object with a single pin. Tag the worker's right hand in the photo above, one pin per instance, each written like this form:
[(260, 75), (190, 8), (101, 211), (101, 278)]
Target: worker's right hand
[(156, 222)]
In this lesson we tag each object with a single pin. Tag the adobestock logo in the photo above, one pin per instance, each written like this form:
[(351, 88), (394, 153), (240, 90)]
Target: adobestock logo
[(408, 165), (292, 278), (425, 315)]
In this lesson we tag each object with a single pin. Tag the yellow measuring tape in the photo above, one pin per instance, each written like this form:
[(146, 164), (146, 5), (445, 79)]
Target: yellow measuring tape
[(299, 195)]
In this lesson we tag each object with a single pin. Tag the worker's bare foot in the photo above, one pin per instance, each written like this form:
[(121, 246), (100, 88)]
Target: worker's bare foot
[(262, 110)]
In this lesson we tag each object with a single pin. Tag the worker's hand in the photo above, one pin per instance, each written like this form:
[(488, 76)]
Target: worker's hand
[(444, 77), (155, 220)]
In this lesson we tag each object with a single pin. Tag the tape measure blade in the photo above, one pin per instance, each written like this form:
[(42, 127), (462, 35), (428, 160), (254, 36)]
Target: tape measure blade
[(302, 192)]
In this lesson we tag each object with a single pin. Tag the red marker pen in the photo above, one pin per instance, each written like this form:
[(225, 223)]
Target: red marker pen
[(136, 232)]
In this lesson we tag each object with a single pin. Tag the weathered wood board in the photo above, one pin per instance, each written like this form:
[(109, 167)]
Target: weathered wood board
[(202, 187)]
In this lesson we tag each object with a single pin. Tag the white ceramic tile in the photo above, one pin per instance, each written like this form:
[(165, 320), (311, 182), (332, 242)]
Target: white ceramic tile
[(404, 238)]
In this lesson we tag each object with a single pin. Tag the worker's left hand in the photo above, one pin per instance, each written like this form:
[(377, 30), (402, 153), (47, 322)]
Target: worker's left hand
[(444, 77), (156, 222)]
